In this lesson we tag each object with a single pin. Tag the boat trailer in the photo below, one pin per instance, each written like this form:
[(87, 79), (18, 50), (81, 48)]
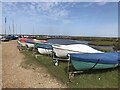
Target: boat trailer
[(57, 59), (71, 73)]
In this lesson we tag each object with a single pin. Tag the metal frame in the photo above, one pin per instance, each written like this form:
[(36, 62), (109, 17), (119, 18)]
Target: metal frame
[(71, 73), (21, 48), (35, 52), (57, 59)]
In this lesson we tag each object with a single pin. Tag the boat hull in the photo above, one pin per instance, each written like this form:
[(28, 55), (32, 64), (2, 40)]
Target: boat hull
[(94, 60), (80, 65), (64, 50), (22, 43), (44, 51), (44, 48), (30, 45)]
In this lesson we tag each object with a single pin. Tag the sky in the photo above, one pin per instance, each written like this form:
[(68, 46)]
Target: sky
[(97, 19)]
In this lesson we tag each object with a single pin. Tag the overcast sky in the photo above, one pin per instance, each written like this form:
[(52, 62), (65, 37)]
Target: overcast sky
[(62, 18)]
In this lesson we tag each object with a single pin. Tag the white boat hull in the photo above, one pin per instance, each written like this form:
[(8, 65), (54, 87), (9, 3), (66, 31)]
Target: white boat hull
[(22, 43), (64, 50), (30, 45), (44, 51)]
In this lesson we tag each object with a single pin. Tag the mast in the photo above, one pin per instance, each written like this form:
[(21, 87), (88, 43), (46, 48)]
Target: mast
[(20, 29), (33, 30), (9, 29), (5, 26), (13, 27), (16, 29)]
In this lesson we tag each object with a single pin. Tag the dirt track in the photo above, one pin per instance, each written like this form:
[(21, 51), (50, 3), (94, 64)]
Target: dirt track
[(14, 76)]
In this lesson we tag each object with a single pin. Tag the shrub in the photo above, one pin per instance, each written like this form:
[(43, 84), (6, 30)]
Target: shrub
[(105, 50), (116, 45)]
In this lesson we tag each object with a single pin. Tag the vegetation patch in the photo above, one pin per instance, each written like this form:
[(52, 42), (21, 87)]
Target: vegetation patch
[(102, 43), (92, 79), (117, 45), (105, 50)]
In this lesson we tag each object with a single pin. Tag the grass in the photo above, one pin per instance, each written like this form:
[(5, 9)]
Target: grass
[(102, 43), (105, 50), (108, 78)]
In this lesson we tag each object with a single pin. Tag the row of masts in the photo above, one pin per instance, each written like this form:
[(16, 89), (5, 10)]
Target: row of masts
[(12, 28), (9, 27)]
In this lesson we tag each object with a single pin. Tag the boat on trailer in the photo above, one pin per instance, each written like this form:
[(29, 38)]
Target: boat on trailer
[(63, 50), (88, 61), (22, 41), (31, 42), (44, 48)]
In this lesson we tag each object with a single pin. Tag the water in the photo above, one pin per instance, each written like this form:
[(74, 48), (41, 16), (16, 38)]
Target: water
[(67, 42)]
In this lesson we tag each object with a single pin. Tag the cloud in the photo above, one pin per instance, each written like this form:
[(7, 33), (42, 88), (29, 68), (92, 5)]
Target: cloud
[(39, 11), (88, 4), (101, 2), (52, 9)]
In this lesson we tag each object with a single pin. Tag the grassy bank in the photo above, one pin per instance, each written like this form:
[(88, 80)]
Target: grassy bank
[(102, 43), (116, 44), (108, 78)]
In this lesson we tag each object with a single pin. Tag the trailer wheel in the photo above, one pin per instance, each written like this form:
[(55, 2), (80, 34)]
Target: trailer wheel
[(71, 76)]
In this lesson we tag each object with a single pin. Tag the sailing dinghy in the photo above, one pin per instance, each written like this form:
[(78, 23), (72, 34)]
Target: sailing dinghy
[(63, 50), (87, 61)]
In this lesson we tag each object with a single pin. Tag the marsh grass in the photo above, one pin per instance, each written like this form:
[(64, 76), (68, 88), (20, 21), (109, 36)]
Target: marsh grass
[(102, 43)]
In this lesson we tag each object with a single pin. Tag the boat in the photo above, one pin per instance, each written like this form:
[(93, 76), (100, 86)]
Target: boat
[(31, 42), (88, 61), (63, 50), (4, 39), (22, 41), (44, 48), (11, 37)]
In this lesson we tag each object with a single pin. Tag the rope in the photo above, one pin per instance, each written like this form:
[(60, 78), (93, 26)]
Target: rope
[(95, 64)]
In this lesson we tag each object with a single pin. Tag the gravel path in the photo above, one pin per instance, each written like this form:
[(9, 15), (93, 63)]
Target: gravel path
[(14, 76)]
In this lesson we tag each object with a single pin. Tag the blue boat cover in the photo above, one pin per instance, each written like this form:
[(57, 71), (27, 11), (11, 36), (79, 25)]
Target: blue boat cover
[(45, 47), (105, 58), (11, 37), (29, 41)]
